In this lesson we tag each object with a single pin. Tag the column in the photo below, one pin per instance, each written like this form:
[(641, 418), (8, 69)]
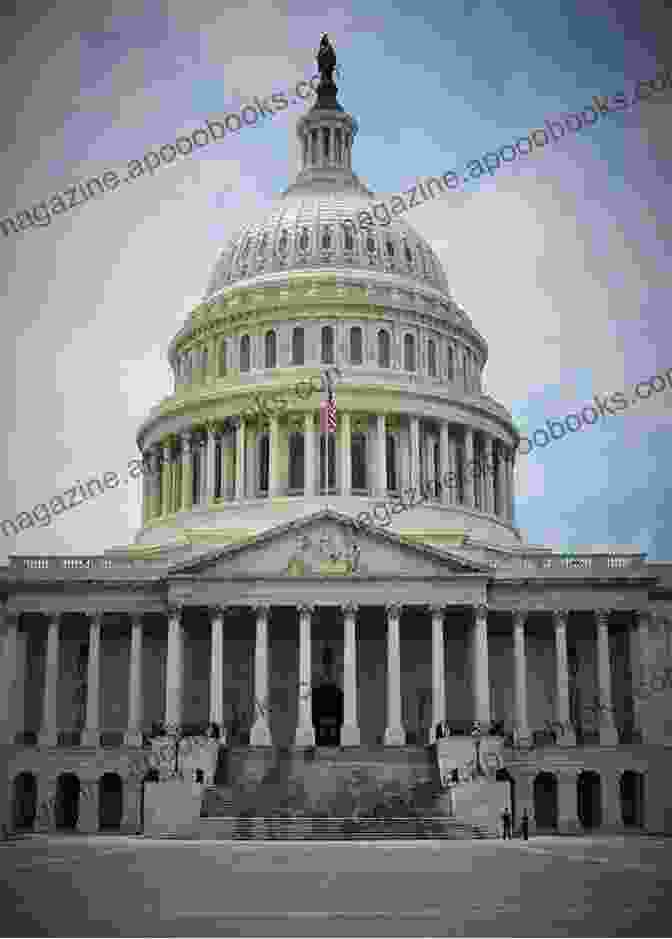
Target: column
[(480, 666), (394, 732), (91, 734), (381, 457), (273, 467), (225, 439), (174, 667), (468, 470), (346, 453), (608, 732), (10, 685), (414, 447), (350, 736), (447, 481), (165, 480), (146, 490), (510, 485), (133, 735), (260, 735), (522, 730), (155, 464), (488, 476), (639, 666), (204, 460), (309, 453), (240, 460), (562, 717), (438, 672), (501, 481), (49, 732), (217, 669), (212, 463), (568, 805), (305, 733), (452, 463)]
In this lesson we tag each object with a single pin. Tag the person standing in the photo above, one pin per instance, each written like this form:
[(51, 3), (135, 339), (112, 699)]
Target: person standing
[(506, 824), (525, 825)]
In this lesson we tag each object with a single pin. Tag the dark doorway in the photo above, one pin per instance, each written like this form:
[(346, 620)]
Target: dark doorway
[(546, 801), (503, 775), (589, 797), (327, 704), (24, 804), (110, 801), (67, 801), (632, 798)]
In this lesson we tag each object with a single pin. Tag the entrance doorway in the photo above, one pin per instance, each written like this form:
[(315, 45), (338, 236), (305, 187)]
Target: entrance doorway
[(327, 705), (589, 797), (110, 801), (24, 803), (546, 800), (67, 801), (632, 798)]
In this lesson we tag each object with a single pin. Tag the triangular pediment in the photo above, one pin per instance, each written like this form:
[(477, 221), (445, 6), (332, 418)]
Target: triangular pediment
[(327, 544)]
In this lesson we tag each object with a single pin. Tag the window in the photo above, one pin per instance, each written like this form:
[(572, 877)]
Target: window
[(383, 349), (451, 364), (304, 240), (327, 344), (298, 352), (222, 357), (389, 247), (325, 139), (349, 240), (409, 352), (270, 343), (326, 239), (466, 370), (391, 462), (331, 445), (431, 358), (370, 244), (283, 244), (296, 461), (359, 462), (245, 353), (264, 455), (356, 345), (338, 145)]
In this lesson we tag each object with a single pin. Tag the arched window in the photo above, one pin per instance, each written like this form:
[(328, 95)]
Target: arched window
[(327, 344), (245, 353), (359, 482), (383, 349), (270, 343), (222, 357), (326, 239), (409, 352), (451, 364), (371, 244), (304, 240), (283, 244), (356, 345), (298, 351), (349, 240), (264, 459), (296, 461), (431, 358), (389, 247)]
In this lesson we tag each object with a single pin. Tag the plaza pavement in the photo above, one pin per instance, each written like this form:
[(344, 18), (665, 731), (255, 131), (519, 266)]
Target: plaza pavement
[(125, 886)]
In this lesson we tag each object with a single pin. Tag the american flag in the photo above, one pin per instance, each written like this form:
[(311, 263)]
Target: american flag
[(328, 412)]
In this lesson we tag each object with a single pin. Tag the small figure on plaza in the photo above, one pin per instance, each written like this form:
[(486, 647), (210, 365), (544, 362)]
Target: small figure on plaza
[(506, 824), (525, 825)]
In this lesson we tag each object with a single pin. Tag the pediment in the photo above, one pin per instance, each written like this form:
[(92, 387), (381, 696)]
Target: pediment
[(327, 544)]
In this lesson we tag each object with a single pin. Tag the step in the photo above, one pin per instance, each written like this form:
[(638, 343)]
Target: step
[(300, 828)]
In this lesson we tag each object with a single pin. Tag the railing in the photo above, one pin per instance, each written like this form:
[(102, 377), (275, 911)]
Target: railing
[(66, 563), (572, 563)]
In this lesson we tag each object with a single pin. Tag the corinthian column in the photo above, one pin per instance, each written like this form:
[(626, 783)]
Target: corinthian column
[(444, 459), (639, 665), (174, 667), (212, 463), (568, 737), (438, 672), (91, 735), (165, 480), (520, 677), (309, 453), (273, 457), (480, 666), (468, 471), (240, 460), (305, 733), (49, 732), (381, 457), (217, 669), (155, 481), (608, 732), (133, 736), (350, 736), (394, 732), (346, 454), (260, 735), (10, 684)]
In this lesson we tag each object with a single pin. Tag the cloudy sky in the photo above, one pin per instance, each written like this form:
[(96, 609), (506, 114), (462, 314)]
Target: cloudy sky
[(562, 259)]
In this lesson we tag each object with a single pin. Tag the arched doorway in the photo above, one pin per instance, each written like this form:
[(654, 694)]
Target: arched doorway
[(589, 799), (503, 775), (24, 802), (67, 801), (546, 800), (631, 788), (327, 706), (110, 801)]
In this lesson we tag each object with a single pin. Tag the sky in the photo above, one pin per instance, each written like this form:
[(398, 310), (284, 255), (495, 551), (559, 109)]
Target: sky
[(561, 259)]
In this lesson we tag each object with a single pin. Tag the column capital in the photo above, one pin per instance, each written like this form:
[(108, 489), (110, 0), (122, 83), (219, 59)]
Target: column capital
[(96, 616), (136, 618), (54, 616), (602, 617), (213, 428), (394, 610), (481, 611), (349, 608), (305, 608), (520, 615), (185, 440), (261, 609), (174, 610), (560, 618), (217, 611), (437, 609)]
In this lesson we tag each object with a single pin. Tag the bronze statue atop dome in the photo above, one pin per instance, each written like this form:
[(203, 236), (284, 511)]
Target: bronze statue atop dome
[(326, 61)]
